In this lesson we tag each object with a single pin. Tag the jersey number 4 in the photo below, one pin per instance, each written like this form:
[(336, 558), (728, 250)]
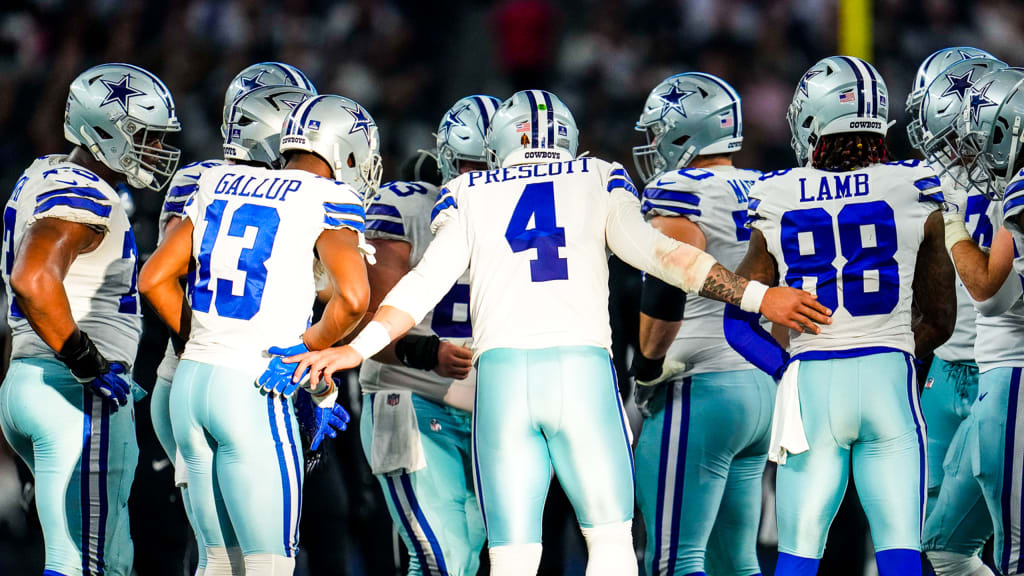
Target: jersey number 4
[(867, 240), (537, 203), (252, 261)]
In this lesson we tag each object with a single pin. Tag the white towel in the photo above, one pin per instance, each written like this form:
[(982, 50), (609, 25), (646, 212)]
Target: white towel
[(787, 426), (396, 446), (180, 473)]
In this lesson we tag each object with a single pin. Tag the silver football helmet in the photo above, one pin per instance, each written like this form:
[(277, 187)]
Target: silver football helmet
[(531, 120), (838, 94), (989, 128), (259, 75), (930, 69), (460, 136), (121, 113), (343, 134), (255, 120), (687, 115)]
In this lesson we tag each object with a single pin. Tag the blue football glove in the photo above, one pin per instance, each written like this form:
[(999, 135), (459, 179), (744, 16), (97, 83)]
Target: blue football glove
[(277, 378), (317, 423), (111, 386)]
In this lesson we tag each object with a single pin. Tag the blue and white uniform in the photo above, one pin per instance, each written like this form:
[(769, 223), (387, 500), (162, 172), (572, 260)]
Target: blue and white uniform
[(427, 478), (83, 456), (700, 490), (852, 238), (253, 243)]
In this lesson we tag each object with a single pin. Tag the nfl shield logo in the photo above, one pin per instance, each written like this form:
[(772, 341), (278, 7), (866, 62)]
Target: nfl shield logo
[(314, 125), (929, 383), (562, 130), (393, 399), (435, 426), (235, 132)]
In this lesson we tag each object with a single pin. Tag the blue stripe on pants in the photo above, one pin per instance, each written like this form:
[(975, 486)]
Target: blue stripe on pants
[(420, 554), (86, 444), (286, 493), (677, 497), (417, 511), (922, 432), (297, 461)]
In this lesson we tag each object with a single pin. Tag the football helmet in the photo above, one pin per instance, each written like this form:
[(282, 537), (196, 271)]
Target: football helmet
[(254, 124), (838, 94), (989, 128), (121, 113), (460, 136), (259, 75), (531, 120), (930, 69), (687, 115), (343, 134)]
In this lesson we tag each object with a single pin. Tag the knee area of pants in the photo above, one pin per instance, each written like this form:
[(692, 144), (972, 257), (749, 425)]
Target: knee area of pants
[(515, 559), (268, 565), (222, 561), (953, 564)]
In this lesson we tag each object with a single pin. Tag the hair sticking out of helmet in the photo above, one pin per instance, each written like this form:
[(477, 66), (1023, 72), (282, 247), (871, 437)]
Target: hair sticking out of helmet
[(849, 151)]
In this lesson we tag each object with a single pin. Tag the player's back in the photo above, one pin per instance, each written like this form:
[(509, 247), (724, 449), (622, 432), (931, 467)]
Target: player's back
[(255, 232), (716, 200), (538, 264), (852, 238), (101, 284)]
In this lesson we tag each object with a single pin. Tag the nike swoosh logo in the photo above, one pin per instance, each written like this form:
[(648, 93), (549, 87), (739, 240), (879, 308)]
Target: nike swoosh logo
[(663, 182), (159, 465), (192, 176), (982, 396)]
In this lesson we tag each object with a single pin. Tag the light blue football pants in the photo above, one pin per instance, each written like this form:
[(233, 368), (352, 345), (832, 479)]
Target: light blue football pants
[(538, 410), (160, 414), (699, 463), (435, 509), (985, 471), (83, 459), (860, 415), (243, 454), (946, 401)]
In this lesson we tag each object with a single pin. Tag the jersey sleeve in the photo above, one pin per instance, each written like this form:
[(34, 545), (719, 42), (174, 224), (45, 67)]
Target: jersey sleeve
[(341, 207), (618, 179), (183, 186), (445, 208), (1013, 203), (675, 194), (75, 198), (399, 209)]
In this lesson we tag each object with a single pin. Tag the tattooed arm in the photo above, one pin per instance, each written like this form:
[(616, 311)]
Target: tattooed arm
[(934, 302)]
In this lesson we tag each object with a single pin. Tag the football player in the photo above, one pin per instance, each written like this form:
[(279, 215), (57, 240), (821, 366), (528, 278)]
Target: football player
[(418, 393), (246, 294), (958, 529), (988, 475), (533, 231), (69, 264), (699, 490), (866, 236), (183, 185)]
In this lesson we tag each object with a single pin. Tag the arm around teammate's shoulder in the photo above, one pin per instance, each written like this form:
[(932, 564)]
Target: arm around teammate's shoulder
[(934, 290)]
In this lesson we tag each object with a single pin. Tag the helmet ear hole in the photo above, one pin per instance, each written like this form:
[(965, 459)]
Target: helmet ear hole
[(102, 133), (681, 140), (997, 135), (808, 121), (351, 160)]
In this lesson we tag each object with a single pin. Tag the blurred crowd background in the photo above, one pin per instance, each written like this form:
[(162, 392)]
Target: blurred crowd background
[(407, 62)]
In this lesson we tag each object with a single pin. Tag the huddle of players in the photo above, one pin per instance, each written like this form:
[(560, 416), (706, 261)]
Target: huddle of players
[(298, 171)]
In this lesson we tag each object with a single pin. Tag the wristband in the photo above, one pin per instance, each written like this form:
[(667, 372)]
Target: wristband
[(752, 297), (955, 229), (418, 352), (645, 369), (372, 339), (80, 354)]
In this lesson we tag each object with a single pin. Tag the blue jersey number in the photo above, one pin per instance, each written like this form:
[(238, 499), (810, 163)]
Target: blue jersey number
[(129, 303), (10, 217), (739, 217), (252, 261), (537, 203), (443, 321), (877, 259)]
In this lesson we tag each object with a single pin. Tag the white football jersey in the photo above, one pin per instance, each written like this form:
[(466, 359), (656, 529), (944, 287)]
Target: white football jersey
[(1000, 341), (1013, 205), (852, 238), (180, 190), (401, 211), (535, 235), (253, 242), (101, 285), (716, 200), (960, 346)]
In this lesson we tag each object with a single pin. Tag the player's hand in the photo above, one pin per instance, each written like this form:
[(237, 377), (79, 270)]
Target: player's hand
[(319, 422), (277, 378), (453, 361), (669, 370), (322, 364), (114, 389), (954, 202), (795, 309)]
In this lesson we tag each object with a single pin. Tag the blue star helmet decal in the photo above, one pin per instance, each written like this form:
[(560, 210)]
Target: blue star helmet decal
[(980, 100), (255, 81), (803, 81), (959, 85), (361, 122), (291, 104), (967, 55), (673, 100), (452, 120), (120, 92)]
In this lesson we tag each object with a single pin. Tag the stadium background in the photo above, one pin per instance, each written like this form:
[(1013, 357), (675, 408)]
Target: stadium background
[(406, 62)]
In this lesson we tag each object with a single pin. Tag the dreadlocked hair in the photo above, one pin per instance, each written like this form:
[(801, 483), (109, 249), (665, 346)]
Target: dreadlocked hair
[(849, 151)]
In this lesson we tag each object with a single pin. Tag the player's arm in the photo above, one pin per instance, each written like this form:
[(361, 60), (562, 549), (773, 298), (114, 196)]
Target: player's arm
[(984, 273), (934, 290), (696, 271), (444, 261), (159, 279), (339, 252)]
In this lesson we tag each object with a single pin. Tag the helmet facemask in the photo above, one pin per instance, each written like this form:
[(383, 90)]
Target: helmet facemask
[(144, 158), (647, 158)]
